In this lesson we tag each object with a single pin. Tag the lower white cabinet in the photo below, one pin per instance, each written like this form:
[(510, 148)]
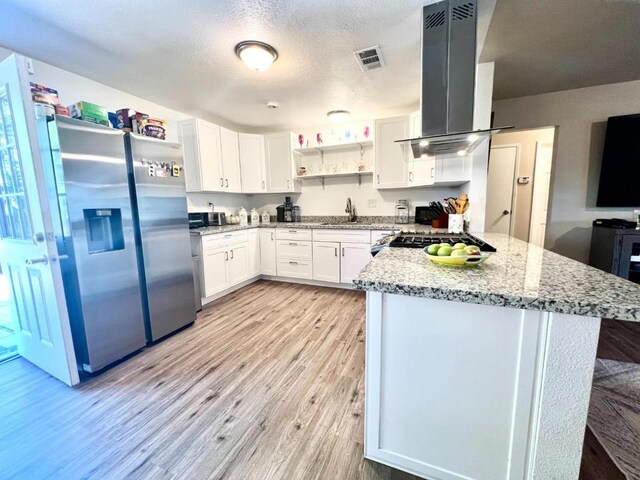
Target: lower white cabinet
[(355, 257), (268, 264), (225, 261), (237, 265), (214, 271), (253, 253), (326, 261)]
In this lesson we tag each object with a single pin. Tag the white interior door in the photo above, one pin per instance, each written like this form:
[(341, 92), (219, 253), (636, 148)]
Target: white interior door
[(28, 254), (502, 170), (540, 202)]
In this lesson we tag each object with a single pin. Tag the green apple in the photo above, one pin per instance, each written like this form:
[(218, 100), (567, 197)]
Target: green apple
[(445, 251), (445, 244), (458, 246), (458, 252), (433, 249)]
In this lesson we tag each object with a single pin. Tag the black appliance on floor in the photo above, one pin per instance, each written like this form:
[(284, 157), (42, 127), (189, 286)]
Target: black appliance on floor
[(615, 248)]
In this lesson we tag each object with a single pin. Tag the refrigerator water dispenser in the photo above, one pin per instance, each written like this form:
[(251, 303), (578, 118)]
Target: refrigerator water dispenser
[(104, 230)]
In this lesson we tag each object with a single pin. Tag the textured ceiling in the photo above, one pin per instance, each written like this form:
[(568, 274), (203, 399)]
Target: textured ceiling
[(181, 54), (550, 45)]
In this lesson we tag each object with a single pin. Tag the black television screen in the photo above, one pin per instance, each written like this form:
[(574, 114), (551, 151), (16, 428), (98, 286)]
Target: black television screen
[(620, 173)]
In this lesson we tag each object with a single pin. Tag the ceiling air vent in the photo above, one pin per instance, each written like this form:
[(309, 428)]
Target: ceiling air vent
[(369, 58)]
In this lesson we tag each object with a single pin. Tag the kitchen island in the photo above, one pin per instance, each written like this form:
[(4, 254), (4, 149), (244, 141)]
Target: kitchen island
[(484, 372)]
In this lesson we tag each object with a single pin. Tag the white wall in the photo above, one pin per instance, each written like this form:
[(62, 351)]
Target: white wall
[(313, 200), (581, 116)]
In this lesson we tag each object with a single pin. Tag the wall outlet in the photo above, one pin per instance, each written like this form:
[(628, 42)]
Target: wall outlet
[(372, 203)]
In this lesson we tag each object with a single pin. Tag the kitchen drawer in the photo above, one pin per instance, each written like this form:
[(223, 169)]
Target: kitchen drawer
[(295, 268), (293, 233), (296, 250), (343, 236), (217, 240)]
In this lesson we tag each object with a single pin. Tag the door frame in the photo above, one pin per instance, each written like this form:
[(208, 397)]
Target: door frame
[(536, 186), (514, 192)]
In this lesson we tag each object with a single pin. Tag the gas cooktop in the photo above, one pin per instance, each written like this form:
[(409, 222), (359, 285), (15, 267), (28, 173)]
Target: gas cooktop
[(421, 240)]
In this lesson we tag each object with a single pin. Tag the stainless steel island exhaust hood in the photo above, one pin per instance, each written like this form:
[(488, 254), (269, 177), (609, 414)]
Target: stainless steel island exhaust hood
[(448, 80)]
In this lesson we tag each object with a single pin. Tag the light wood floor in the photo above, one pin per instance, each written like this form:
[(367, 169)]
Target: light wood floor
[(268, 384)]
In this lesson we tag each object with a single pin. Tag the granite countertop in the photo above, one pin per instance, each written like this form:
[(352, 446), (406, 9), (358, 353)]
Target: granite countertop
[(519, 275), (412, 227)]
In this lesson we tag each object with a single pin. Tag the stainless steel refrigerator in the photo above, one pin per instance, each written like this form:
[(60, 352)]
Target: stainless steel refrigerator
[(88, 192), (161, 224), (122, 236)]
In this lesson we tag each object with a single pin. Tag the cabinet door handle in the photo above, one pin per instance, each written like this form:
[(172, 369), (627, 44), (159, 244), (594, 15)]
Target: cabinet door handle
[(293, 244), (293, 231), (378, 176), (411, 176), (263, 184), (231, 254), (226, 256), (272, 236), (293, 262), (221, 182), (433, 171), (227, 183), (343, 251), (336, 251)]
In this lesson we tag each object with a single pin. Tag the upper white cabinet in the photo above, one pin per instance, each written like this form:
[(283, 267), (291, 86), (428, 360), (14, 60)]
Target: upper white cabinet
[(391, 158), (202, 156), (279, 156), (230, 160), (422, 170), (253, 165), (211, 157)]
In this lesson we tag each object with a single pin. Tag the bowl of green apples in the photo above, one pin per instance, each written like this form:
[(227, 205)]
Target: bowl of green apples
[(458, 255)]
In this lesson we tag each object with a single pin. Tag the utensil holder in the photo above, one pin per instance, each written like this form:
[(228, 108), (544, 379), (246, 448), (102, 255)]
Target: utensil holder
[(456, 223)]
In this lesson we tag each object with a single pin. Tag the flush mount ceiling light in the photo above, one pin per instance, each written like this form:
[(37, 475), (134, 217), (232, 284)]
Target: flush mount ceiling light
[(338, 116), (256, 55)]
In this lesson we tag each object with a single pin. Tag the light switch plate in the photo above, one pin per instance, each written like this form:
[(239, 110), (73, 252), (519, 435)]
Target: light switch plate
[(372, 203)]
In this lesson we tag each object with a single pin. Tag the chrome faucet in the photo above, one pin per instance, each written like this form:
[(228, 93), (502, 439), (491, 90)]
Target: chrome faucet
[(350, 211)]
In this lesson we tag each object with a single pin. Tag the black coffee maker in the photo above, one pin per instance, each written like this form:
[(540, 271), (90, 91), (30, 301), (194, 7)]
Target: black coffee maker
[(284, 212)]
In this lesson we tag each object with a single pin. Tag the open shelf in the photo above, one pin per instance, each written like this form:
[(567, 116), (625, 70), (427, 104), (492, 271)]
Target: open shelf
[(322, 176), (331, 148)]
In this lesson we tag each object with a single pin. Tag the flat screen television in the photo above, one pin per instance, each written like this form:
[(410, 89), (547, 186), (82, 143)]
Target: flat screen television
[(620, 173)]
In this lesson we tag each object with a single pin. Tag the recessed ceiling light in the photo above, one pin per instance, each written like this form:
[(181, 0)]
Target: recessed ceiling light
[(472, 138), (256, 55), (424, 156), (272, 104), (338, 115), (462, 153), (424, 143)]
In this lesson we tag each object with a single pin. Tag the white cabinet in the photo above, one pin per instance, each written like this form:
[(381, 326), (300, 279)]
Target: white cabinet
[(452, 169), (237, 265), (211, 157), (253, 253), (253, 165), (279, 157), (214, 271), (202, 157), (294, 253), (326, 261), (355, 257), (422, 169), (224, 261), (391, 158), (268, 251), (230, 160)]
